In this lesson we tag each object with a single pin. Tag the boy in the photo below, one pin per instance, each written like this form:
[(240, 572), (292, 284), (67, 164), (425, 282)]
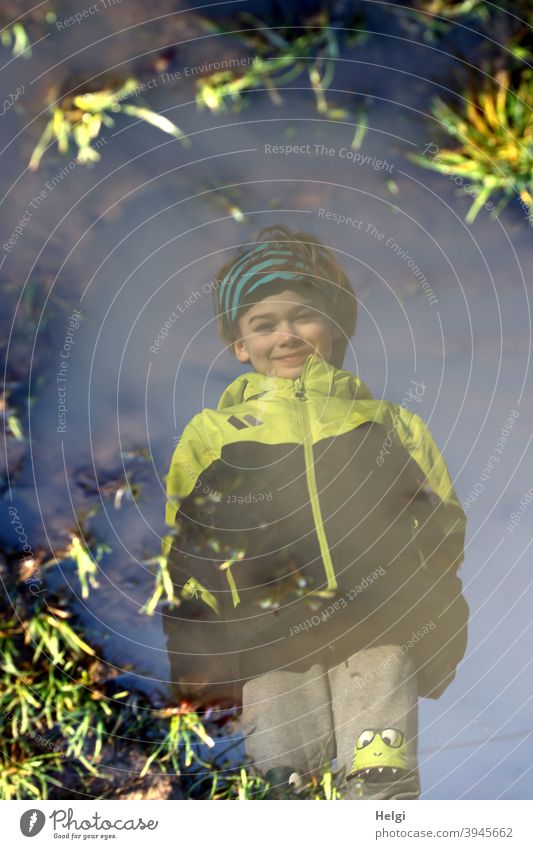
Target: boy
[(318, 538)]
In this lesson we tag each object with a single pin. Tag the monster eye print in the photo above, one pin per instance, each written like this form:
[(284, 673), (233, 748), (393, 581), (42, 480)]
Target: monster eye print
[(379, 754)]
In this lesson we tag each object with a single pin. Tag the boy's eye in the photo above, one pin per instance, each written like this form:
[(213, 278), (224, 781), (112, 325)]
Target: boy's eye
[(303, 316)]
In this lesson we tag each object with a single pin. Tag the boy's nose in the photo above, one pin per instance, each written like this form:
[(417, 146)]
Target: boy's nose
[(287, 331)]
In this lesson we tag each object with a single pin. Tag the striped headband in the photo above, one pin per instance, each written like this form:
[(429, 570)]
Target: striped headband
[(260, 265)]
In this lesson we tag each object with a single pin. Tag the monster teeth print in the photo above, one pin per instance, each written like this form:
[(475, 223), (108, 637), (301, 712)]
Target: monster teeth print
[(385, 747), (380, 769)]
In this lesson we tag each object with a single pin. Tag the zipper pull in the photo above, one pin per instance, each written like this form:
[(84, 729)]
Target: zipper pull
[(299, 390)]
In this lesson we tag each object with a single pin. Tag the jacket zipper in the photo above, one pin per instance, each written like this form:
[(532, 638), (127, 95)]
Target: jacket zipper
[(303, 416)]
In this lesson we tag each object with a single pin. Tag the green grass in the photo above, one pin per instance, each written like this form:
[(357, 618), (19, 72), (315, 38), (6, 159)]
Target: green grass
[(281, 54), (493, 134), (14, 34), (87, 567), (76, 121), (46, 706), (16, 37), (62, 716), (449, 8), (56, 708)]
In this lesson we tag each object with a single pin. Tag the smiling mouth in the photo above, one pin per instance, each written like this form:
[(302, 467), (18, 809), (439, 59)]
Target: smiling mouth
[(293, 356)]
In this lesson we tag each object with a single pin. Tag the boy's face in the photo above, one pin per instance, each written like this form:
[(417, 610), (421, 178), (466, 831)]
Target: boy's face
[(278, 333)]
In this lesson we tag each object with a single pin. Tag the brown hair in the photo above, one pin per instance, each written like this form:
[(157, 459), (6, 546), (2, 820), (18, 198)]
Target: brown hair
[(339, 297)]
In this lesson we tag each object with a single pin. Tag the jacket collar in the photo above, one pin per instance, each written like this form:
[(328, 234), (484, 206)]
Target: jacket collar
[(317, 376)]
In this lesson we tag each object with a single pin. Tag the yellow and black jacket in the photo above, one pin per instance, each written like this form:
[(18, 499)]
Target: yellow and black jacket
[(309, 521)]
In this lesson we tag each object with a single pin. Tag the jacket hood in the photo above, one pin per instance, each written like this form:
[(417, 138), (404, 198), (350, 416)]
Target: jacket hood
[(317, 376)]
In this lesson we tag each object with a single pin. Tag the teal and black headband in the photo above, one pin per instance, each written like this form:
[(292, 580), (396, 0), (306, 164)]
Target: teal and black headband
[(262, 264)]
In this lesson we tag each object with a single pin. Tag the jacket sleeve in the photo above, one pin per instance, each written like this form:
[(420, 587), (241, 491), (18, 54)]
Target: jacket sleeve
[(439, 525), (201, 653), (196, 576)]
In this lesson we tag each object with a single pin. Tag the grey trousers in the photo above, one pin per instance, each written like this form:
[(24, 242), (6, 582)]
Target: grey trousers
[(362, 713)]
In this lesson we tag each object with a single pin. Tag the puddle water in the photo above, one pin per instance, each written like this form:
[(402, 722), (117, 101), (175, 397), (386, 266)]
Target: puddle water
[(128, 239)]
